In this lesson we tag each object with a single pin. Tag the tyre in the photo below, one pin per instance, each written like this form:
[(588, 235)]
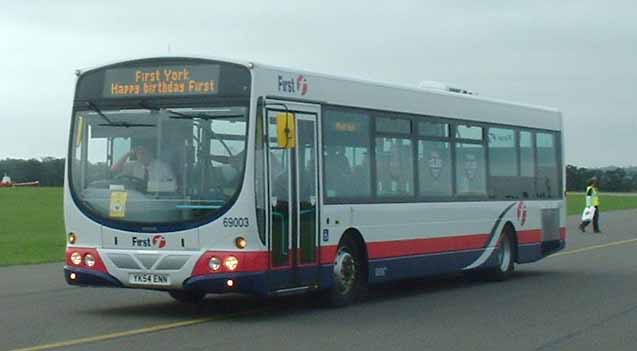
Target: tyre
[(505, 259), (183, 296), (348, 274)]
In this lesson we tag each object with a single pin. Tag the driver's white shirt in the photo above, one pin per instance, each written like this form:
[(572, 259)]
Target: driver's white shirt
[(159, 175)]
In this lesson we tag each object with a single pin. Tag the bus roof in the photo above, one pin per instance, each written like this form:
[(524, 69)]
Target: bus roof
[(363, 83), (402, 87)]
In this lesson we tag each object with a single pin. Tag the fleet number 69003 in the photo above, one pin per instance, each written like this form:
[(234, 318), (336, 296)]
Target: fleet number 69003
[(238, 222)]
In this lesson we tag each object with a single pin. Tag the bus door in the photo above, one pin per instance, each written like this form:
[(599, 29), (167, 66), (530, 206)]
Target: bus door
[(293, 194)]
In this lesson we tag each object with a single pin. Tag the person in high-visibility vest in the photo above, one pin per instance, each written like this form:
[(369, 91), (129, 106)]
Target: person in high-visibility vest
[(592, 199)]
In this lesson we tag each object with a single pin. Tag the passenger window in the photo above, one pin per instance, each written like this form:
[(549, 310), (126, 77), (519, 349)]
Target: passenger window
[(346, 153), (393, 125), (527, 159), (394, 167), (433, 129), (527, 166), (503, 164), (547, 171), (468, 132), (470, 170), (503, 158), (434, 169)]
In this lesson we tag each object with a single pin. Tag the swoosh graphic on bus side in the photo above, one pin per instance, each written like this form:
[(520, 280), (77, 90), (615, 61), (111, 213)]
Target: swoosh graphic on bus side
[(494, 237)]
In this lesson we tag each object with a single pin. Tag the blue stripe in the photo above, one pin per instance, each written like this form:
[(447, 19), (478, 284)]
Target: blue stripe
[(384, 270)]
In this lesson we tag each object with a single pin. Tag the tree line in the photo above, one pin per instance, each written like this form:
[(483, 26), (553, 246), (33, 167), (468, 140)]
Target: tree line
[(49, 171), (612, 179)]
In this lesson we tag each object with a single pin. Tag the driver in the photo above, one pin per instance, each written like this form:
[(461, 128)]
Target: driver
[(141, 163)]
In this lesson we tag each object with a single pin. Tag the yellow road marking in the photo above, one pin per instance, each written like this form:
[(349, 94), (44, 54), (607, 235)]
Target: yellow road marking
[(147, 330), (595, 247)]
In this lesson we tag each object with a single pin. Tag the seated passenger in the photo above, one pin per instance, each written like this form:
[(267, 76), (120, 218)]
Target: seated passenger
[(338, 174), (362, 176), (141, 163)]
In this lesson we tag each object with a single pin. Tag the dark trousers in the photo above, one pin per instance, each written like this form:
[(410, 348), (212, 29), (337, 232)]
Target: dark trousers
[(595, 221)]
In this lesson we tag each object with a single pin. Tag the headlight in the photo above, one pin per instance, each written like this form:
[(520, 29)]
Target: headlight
[(231, 263), (89, 260), (214, 263), (76, 258)]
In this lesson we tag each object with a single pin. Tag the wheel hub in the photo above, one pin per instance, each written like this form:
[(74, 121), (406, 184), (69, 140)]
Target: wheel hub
[(504, 254), (344, 272)]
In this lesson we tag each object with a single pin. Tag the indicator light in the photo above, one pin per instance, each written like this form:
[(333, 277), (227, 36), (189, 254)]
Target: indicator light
[(241, 242)]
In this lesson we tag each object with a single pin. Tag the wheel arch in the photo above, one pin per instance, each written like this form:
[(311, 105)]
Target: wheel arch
[(510, 228), (357, 237)]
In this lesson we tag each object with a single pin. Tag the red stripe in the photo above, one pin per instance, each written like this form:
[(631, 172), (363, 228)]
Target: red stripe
[(563, 233), (396, 248), (328, 253), (529, 236), (535, 236), (259, 261)]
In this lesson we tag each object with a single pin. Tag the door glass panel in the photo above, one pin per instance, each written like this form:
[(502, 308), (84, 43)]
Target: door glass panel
[(306, 151), (260, 185), (279, 197)]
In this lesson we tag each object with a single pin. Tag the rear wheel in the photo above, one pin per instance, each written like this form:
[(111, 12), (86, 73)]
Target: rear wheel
[(187, 296), (505, 259), (347, 274)]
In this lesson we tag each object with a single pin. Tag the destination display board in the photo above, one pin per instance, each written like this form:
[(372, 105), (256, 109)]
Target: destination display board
[(168, 80)]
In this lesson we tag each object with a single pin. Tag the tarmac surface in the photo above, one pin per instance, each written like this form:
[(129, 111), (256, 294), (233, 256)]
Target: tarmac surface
[(584, 298)]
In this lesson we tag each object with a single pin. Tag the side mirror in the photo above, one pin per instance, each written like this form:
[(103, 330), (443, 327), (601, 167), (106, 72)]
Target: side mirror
[(286, 130)]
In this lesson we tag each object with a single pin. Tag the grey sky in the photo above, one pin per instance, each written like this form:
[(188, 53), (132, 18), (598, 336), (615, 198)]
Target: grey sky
[(577, 56)]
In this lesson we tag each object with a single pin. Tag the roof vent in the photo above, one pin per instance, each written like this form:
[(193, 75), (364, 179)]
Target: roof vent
[(428, 84)]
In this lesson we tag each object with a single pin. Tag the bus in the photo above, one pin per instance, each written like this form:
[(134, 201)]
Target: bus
[(195, 176)]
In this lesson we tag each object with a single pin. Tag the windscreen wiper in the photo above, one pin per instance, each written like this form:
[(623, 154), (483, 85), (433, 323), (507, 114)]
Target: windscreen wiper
[(126, 125), (96, 109), (180, 115), (200, 115), (110, 123)]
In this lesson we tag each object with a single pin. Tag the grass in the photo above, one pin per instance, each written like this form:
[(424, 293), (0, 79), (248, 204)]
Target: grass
[(608, 202), (31, 226)]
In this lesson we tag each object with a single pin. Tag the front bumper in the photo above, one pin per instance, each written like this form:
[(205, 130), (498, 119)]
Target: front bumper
[(249, 283), (87, 277)]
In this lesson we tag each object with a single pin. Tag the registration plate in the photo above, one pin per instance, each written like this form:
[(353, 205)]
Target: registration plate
[(149, 279)]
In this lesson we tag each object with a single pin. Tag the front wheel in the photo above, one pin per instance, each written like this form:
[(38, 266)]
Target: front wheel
[(505, 259), (347, 274), (183, 296)]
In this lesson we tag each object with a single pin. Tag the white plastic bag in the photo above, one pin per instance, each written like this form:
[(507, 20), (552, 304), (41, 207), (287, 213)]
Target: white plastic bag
[(588, 214)]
